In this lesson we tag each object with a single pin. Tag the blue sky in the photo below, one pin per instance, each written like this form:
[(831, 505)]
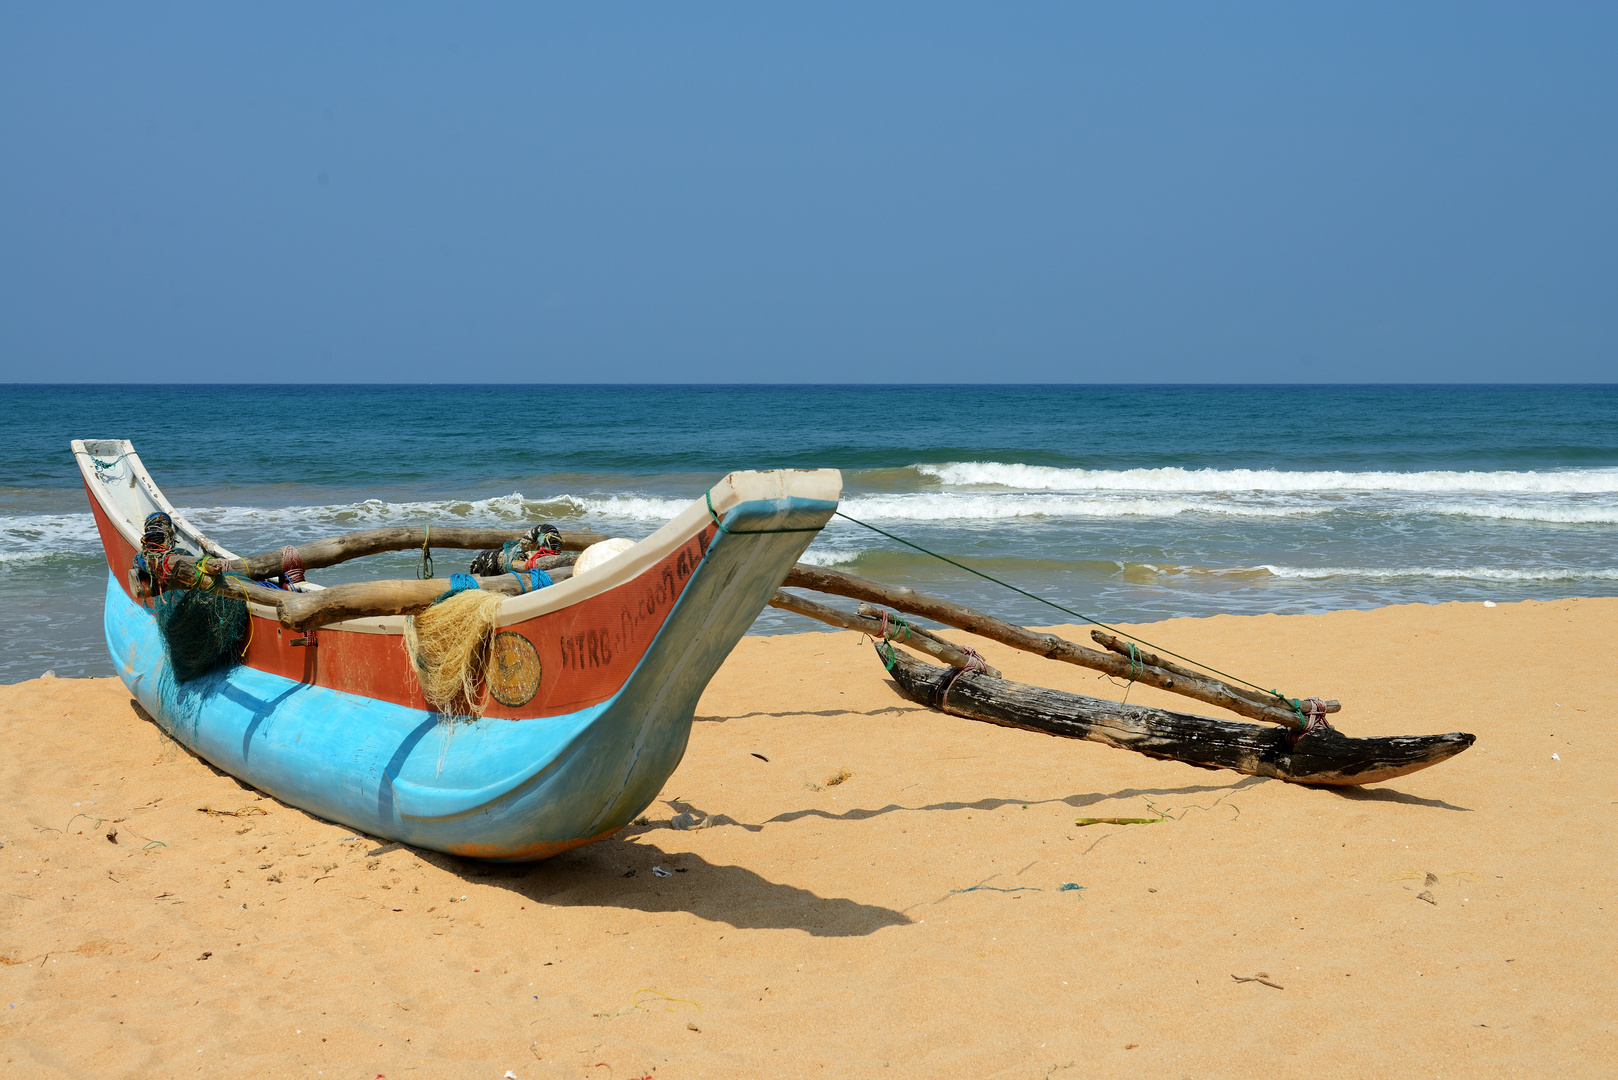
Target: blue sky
[(811, 193)]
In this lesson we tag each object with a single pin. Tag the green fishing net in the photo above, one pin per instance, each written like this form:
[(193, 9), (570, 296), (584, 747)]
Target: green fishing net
[(200, 631)]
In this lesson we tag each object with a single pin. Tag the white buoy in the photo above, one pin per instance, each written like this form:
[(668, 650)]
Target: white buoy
[(596, 554)]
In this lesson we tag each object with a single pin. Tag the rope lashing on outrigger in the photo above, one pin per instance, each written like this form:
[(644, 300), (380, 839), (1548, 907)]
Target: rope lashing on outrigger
[(291, 566), (1313, 710), (896, 628), (1312, 720)]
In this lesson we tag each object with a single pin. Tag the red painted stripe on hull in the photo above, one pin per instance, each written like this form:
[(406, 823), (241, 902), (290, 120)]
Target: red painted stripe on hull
[(587, 650)]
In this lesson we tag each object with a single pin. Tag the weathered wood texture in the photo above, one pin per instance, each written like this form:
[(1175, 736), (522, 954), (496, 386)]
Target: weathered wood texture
[(1118, 645), (871, 623), (1324, 756), (363, 599), (368, 599), (356, 545), (1203, 688)]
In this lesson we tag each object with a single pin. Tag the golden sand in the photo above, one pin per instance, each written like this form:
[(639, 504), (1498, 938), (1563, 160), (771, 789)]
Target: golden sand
[(908, 920)]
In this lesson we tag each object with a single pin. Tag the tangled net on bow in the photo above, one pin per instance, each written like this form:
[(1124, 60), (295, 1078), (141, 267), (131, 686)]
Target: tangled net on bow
[(200, 630)]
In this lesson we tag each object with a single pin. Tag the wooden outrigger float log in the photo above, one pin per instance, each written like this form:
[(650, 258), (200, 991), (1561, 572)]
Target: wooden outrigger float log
[(1322, 756)]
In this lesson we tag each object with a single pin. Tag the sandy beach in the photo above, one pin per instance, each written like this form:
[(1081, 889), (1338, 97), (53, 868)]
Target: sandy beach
[(882, 890)]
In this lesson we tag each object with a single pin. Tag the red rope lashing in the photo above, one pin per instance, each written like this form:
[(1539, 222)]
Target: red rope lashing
[(538, 554), (943, 695), (1314, 711), (291, 565)]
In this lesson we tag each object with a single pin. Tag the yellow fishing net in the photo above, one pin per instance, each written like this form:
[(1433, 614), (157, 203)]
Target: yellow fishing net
[(449, 647)]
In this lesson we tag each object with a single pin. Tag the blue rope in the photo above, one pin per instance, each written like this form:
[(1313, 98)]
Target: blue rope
[(458, 583), (537, 579)]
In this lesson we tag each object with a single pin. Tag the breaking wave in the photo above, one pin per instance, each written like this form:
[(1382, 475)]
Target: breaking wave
[(829, 557), (514, 509), (951, 506), (1557, 513), (1444, 573), (1048, 478), (26, 537)]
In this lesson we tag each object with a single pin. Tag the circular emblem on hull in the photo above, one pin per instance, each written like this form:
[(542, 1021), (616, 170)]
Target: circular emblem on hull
[(513, 669)]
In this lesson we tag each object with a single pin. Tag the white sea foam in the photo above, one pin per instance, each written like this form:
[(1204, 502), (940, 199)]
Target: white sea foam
[(1559, 513), (628, 507), (953, 506), (1046, 478), (1444, 573), (30, 536), (924, 506), (825, 557), (514, 509), (376, 512)]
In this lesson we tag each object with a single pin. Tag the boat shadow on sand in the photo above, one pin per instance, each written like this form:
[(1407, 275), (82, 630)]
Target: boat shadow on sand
[(618, 875), (1079, 801), (610, 874)]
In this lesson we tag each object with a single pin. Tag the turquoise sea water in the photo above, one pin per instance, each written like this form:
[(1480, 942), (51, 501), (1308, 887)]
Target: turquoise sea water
[(1129, 503)]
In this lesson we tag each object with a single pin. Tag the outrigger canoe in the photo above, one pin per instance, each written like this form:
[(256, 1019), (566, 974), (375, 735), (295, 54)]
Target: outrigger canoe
[(337, 725)]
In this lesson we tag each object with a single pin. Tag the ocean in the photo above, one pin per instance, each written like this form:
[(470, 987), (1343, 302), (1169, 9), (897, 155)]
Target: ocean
[(1127, 503)]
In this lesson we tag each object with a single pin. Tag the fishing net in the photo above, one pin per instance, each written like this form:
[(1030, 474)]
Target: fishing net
[(449, 647), (200, 630)]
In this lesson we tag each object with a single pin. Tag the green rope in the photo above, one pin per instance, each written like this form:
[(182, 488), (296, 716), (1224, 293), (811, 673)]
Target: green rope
[(708, 495), (890, 658), (424, 566), (1293, 703), (105, 465)]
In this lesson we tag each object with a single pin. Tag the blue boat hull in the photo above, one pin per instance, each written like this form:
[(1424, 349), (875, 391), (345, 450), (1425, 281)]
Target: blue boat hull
[(489, 788)]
